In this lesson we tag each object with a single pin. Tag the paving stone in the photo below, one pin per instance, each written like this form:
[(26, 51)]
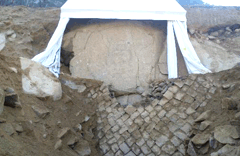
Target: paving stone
[(190, 111), (123, 129), (151, 154), (158, 108), (185, 88), (156, 150), (133, 127), (130, 141), (181, 122), (125, 117), (169, 148), (149, 108), (111, 122), (139, 121), (111, 141), (168, 95), (190, 120), (152, 114), (186, 128), (205, 115), (154, 134), (171, 112), (179, 83), (109, 135), (115, 128), (175, 102), (182, 115), (136, 149), (119, 153), (109, 153), (177, 154), (150, 127), (105, 148), (156, 119), (162, 114), (103, 140), (189, 82), (163, 101), (140, 142), (120, 140), (165, 120), (175, 141), (180, 135), (129, 122), (161, 140), (130, 154), (125, 135), (150, 143), (155, 102), (188, 99), (140, 109), (130, 109), (136, 134), (192, 92), (144, 114), (172, 127), (145, 149), (124, 147), (174, 118), (115, 147), (120, 122), (179, 95), (182, 149), (134, 115), (147, 119), (173, 89), (145, 135)]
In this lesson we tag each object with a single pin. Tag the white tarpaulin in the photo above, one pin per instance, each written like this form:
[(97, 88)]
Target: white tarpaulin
[(127, 9)]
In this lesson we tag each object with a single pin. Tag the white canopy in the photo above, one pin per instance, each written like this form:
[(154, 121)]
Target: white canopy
[(124, 9), (168, 10)]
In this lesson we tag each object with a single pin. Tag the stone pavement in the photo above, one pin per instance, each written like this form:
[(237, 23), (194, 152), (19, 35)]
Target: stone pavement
[(159, 128)]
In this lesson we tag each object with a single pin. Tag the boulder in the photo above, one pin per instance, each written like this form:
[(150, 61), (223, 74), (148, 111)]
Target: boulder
[(228, 150), (83, 148), (2, 100), (205, 115), (200, 139), (214, 56), (39, 81), (2, 41), (124, 54), (226, 134)]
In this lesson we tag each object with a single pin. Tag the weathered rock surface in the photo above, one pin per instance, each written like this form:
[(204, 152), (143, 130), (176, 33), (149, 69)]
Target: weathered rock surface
[(2, 99), (124, 54), (39, 81), (226, 134)]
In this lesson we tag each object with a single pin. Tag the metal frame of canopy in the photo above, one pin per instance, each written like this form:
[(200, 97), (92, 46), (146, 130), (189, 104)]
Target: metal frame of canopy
[(135, 10)]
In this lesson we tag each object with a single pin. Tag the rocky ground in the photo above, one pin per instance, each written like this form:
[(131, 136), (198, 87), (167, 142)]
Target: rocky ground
[(192, 115)]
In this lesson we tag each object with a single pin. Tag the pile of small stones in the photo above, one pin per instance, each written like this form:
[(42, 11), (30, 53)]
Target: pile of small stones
[(159, 88)]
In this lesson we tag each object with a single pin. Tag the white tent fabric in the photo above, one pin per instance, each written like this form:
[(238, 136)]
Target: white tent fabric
[(127, 9)]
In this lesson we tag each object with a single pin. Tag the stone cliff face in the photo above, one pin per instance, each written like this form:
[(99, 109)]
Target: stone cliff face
[(124, 54)]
